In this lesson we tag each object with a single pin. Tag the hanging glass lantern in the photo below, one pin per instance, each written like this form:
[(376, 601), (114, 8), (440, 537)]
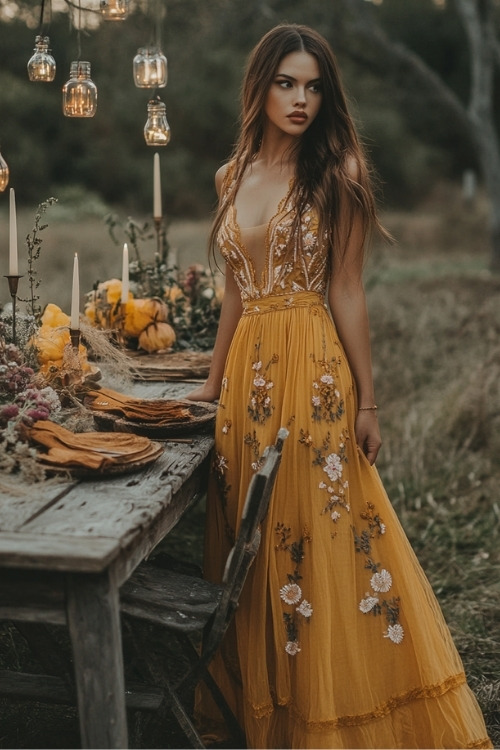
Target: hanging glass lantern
[(41, 65), (4, 174), (80, 92), (114, 10), (150, 68), (156, 129)]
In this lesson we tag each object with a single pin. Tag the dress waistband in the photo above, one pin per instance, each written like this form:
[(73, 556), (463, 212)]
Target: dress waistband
[(275, 302)]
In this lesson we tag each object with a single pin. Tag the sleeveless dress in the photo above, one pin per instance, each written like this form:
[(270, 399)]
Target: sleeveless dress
[(338, 641)]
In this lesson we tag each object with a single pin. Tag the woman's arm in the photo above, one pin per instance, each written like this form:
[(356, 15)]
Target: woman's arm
[(229, 316), (347, 302)]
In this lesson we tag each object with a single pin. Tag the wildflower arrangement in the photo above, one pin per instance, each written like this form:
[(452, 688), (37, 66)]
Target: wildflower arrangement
[(24, 399)]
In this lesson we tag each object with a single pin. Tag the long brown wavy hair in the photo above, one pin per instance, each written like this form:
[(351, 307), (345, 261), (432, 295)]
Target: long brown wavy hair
[(332, 172)]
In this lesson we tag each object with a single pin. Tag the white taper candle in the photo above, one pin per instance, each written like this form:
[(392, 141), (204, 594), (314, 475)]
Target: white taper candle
[(157, 212), (75, 297), (125, 281), (13, 265)]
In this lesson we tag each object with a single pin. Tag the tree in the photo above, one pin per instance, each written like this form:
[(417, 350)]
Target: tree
[(358, 20)]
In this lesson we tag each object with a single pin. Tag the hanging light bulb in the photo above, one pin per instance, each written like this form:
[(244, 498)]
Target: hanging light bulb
[(150, 68), (156, 129), (41, 65), (114, 10), (80, 92), (4, 174)]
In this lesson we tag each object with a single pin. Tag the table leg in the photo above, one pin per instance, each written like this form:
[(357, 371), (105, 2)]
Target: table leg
[(94, 625)]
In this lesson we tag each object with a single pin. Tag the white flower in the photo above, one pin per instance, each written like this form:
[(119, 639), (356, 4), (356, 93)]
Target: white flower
[(322, 486), (327, 379), (381, 581), (305, 608), (316, 401), (333, 467), (291, 593), (208, 293), (255, 466), (382, 528), (259, 382), (269, 385), (335, 515), (395, 633), (366, 605), (256, 366), (267, 401), (315, 385), (292, 648), (222, 462), (337, 393)]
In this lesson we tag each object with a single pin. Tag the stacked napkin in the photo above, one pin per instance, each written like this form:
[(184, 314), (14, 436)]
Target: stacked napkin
[(91, 450), (153, 411)]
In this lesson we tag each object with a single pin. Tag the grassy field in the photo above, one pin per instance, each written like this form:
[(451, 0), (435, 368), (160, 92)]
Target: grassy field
[(435, 312)]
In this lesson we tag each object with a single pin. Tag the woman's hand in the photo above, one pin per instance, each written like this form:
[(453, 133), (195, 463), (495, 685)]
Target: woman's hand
[(204, 392), (368, 434)]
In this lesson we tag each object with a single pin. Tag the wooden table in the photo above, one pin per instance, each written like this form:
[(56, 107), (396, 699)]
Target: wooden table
[(66, 548)]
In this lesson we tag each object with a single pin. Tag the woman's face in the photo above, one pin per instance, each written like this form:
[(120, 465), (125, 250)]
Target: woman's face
[(294, 97)]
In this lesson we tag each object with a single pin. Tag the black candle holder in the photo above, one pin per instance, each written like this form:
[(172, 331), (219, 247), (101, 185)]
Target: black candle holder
[(74, 334), (13, 280)]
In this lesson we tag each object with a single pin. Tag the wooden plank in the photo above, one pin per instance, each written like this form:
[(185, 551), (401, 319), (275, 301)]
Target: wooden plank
[(21, 502), (50, 689), (117, 506), (56, 552), (95, 632)]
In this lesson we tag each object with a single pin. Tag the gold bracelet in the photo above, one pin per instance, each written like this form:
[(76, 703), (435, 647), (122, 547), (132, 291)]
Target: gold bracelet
[(368, 408)]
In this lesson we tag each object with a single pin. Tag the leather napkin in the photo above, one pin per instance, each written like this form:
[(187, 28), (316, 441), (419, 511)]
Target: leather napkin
[(153, 411), (91, 450)]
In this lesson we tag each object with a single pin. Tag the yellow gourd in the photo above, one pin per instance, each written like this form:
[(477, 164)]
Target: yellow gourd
[(140, 313), (157, 336)]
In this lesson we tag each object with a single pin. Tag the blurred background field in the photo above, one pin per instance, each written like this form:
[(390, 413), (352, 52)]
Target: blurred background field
[(433, 300)]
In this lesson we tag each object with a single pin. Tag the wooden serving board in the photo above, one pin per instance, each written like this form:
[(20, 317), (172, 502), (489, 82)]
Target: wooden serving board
[(186, 365)]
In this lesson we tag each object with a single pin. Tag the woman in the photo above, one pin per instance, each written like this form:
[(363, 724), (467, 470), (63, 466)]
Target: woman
[(338, 641)]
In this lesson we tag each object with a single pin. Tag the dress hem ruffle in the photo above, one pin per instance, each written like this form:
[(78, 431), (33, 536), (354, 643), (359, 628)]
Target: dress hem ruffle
[(397, 701)]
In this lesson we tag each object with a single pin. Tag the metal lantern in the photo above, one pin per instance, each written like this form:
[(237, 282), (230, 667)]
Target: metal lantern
[(114, 10), (150, 68), (80, 92), (4, 174), (41, 65), (156, 129)]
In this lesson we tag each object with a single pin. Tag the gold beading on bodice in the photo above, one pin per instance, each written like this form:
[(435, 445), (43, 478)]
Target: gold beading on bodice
[(294, 261)]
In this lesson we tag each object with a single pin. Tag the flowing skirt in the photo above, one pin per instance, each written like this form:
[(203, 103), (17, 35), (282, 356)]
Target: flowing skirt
[(338, 641)]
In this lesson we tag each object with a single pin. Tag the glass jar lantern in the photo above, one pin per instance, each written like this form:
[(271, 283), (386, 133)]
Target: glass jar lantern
[(114, 10), (4, 174), (150, 68), (80, 92), (41, 65), (156, 129)]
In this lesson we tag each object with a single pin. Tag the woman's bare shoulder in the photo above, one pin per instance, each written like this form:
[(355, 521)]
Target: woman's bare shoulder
[(220, 176)]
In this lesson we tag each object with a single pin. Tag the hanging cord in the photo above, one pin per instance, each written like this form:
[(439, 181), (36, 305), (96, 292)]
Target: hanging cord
[(79, 32), (42, 14)]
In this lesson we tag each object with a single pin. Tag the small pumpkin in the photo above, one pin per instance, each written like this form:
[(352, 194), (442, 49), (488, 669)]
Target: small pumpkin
[(157, 336), (140, 313), (53, 316)]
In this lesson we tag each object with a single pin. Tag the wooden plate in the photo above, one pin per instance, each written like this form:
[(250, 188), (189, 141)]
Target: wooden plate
[(186, 365), (202, 418)]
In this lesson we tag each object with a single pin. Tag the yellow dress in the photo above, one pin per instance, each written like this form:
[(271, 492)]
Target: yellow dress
[(339, 641)]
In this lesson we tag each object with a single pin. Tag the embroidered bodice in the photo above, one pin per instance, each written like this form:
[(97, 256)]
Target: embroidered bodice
[(290, 266)]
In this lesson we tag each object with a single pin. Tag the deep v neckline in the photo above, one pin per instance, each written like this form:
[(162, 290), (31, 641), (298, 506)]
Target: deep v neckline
[(260, 278)]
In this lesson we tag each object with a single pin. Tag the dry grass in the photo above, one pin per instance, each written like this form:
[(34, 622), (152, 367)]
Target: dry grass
[(436, 346)]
